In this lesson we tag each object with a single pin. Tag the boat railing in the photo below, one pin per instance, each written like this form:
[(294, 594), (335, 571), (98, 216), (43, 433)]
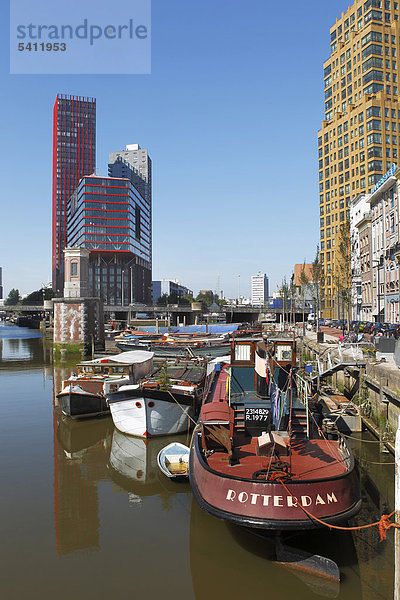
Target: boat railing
[(345, 451), (303, 397)]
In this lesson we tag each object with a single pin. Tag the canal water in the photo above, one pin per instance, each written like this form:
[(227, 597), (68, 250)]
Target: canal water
[(86, 514)]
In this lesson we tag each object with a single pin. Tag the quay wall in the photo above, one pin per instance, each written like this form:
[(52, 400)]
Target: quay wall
[(374, 387)]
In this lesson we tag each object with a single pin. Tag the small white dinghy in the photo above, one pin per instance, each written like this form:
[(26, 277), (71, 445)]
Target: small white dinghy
[(173, 460)]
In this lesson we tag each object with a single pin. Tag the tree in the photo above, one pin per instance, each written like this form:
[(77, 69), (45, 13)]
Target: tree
[(37, 297), (304, 281), (207, 298), (12, 298), (162, 300), (284, 292), (317, 281), (342, 270), (292, 298)]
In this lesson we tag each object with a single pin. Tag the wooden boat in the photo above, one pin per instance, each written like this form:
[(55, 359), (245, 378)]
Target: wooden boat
[(257, 458), (84, 394), (163, 402), (173, 460)]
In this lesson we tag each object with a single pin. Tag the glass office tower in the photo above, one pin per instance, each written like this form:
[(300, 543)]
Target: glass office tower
[(74, 155), (110, 218)]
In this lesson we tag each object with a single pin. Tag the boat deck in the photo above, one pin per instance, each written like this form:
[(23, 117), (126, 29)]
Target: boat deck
[(310, 459)]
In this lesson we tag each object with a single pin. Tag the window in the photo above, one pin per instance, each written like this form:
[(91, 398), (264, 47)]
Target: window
[(371, 49), (74, 269), (373, 111)]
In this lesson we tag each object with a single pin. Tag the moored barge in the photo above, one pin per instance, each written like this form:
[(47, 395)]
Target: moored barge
[(258, 457)]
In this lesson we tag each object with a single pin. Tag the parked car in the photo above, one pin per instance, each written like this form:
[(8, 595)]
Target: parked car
[(380, 328), (368, 327), (394, 330)]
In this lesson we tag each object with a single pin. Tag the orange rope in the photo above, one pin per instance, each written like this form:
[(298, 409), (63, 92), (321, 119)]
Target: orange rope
[(384, 523)]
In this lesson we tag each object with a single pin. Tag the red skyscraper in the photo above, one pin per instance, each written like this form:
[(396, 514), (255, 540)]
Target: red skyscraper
[(74, 155)]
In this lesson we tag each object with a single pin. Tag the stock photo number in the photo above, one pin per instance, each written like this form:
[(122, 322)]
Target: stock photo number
[(42, 47)]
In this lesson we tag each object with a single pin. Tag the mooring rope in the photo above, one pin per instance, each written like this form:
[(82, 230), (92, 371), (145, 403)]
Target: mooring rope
[(181, 407), (384, 523)]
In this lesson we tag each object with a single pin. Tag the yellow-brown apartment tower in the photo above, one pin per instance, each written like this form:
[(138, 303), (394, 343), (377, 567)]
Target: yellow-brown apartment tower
[(359, 138)]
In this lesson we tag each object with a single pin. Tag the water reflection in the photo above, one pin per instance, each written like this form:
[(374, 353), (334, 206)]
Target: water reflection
[(112, 508), (81, 450), (20, 345), (133, 466), (375, 558), (15, 349)]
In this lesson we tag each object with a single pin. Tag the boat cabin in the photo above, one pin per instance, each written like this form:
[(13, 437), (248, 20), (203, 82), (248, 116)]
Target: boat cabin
[(134, 365), (261, 382)]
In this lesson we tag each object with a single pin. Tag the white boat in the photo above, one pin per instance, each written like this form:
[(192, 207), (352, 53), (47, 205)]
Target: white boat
[(163, 403), (173, 460), (84, 394)]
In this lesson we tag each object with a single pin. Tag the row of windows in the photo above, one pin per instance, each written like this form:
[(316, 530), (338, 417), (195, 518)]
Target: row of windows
[(369, 4), (373, 125), (346, 74), (372, 111), (371, 16)]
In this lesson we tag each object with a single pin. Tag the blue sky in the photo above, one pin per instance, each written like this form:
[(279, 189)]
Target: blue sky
[(230, 115)]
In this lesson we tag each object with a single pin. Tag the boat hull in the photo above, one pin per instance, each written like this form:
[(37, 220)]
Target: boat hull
[(268, 505), (150, 417), (81, 406), (212, 350)]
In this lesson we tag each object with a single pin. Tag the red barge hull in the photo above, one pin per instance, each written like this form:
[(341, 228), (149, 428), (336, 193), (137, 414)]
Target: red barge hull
[(268, 505)]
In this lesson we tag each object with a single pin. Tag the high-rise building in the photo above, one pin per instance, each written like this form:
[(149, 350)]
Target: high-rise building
[(109, 217), (168, 287), (133, 163), (74, 155), (259, 289), (1, 283), (359, 138)]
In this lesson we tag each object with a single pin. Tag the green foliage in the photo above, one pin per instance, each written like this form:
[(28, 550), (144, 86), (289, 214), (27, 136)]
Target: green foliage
[(164, 379), (342, 273), (12, 298), (163, 300), (37, 297), (209, 298), (317, 281), (174, 298), (304, 280)]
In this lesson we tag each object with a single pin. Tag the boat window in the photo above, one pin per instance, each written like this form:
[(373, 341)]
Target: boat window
[(284, 353), (243, 352)]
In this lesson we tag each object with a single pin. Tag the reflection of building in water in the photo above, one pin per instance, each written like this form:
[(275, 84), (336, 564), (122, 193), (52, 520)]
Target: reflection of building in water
[(81, 451), (25, 346), (375, 558), (15, 349)]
